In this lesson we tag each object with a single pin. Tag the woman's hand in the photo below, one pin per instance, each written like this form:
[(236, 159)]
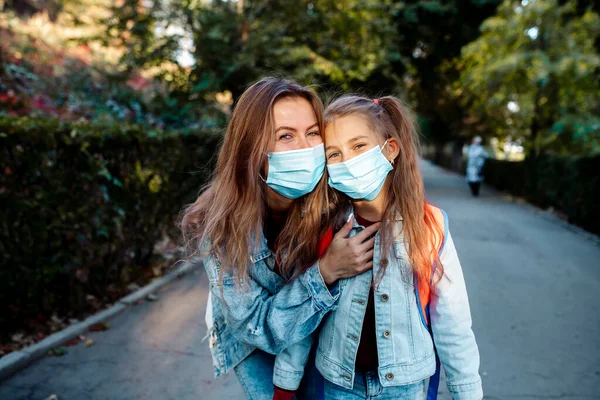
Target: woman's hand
[(348, 257)]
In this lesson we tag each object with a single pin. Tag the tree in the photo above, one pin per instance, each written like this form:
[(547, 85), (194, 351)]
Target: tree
[(533, 73), (430, 32), (340, 44)]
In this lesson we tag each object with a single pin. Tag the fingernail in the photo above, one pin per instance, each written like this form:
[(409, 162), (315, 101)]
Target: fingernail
[(350, 217)]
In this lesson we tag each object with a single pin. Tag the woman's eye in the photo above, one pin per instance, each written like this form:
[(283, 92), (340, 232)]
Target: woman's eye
[(314, 133), (285, 136)]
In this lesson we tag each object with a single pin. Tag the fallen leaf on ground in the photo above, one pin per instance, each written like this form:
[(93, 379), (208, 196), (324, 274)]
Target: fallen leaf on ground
[(132, 287), (89, 342), (59, 352), (17, 337), (102, 326), (56, 319), (72, 342), (152, 297)]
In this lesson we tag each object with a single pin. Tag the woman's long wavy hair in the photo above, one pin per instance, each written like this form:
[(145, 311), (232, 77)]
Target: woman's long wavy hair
[(229, 212), (389, 118)]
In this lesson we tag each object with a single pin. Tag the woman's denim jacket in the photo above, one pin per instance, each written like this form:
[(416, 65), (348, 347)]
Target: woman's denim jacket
[(404, 344), (261, 311)]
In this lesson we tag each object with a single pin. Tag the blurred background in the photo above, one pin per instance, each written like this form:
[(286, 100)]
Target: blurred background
[(111, 112)]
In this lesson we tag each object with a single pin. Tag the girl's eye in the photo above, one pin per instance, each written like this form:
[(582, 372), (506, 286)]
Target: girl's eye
[(314, 133), (359, 146), (332, 155), (285, 136)]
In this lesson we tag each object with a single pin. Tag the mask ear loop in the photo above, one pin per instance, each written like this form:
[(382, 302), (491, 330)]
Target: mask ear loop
[(385, 144)]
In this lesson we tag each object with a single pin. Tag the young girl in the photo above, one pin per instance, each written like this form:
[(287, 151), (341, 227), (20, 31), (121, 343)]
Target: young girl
[(394, 321)]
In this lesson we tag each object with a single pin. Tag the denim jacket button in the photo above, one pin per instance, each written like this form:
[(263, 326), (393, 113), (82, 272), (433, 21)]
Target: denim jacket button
[(387, 334), (385, 297), (384, 262), (389, 376)]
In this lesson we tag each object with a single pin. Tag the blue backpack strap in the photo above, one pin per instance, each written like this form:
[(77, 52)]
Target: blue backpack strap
[(320, 388), (434, 380)]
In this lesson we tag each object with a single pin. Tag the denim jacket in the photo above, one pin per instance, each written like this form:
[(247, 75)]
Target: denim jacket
[(261, 311), (404, 345)]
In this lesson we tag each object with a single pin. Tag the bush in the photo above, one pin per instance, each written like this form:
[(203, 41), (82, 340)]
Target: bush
[(512, 177), (568, 184), (82, 206)]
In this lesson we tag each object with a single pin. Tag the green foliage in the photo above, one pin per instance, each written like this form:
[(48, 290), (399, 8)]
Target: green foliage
[(428, 34), (541, 56), (82, 206), (333, 43), (46, 72), (569, 184)]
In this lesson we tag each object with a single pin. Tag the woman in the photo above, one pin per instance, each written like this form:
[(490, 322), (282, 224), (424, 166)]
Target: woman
[(259, 224), (379, 341), (476, 156)]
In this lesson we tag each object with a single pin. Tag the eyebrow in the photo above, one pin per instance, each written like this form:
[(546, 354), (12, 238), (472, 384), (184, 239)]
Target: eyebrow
[(354, 139), (357, 138), (285, 128), (288, 128)]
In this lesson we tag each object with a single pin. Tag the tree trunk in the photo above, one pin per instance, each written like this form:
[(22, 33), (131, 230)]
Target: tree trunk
[(457, 154), (438, 157)]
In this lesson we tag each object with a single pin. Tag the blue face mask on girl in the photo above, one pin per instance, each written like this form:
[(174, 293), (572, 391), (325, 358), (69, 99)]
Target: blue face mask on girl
[(295, 173), (361, 177)]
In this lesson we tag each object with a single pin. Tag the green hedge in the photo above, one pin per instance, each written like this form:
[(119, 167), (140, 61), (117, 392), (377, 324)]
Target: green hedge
[(82, 206), (568, 184)]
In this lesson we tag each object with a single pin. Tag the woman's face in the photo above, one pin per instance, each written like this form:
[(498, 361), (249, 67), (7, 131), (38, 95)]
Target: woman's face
[(347, 137), (296, 125)]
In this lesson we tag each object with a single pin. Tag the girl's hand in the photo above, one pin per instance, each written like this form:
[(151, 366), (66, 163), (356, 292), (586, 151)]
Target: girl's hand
[(348, 257)]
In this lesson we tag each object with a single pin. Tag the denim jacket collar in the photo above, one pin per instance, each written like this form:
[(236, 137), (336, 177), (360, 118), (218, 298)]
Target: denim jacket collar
[(399, 242), (397, 217)]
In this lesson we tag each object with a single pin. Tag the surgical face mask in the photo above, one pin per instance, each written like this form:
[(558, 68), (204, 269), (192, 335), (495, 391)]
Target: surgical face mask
[(295, 173), (361, 177)]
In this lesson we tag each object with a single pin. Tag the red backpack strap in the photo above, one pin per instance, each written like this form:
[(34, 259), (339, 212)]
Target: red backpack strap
[(422, 289)]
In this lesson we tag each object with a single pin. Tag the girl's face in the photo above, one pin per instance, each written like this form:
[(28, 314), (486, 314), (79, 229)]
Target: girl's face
[(347, 137), (296, 125)]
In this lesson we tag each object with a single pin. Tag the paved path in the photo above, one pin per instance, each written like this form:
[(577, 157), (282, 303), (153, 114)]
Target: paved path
[(532, 284)]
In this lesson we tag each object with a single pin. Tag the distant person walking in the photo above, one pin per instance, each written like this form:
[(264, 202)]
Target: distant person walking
[(476, 156)]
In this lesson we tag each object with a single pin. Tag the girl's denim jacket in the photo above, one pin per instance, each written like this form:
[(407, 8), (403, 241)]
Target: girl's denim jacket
[(261, 310), (404, 344)]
